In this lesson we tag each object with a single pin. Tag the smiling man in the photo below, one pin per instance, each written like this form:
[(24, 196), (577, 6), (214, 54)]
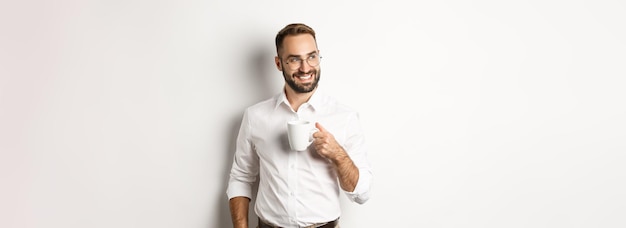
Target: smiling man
[(298, 188)]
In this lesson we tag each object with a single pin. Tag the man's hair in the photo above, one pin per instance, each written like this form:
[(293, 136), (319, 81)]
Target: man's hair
[(291, 30)]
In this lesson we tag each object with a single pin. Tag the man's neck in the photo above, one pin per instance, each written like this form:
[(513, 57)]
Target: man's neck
[(297, 99)]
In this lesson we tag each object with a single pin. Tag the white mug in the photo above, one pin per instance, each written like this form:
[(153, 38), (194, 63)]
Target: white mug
[(300, 134)]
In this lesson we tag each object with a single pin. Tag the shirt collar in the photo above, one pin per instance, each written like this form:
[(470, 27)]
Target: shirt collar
[(316, 101), (281, 98)]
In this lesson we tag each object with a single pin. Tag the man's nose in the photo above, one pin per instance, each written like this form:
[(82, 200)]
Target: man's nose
[(304, 66)]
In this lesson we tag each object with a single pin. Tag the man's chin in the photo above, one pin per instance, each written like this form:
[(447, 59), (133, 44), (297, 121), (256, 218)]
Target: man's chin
[(304, 89)]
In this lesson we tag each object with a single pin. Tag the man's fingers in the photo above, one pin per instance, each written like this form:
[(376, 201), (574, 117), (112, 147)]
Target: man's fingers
[(319, 126)]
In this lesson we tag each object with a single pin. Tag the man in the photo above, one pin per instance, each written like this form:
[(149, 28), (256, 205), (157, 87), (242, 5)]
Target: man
[(298, 188)]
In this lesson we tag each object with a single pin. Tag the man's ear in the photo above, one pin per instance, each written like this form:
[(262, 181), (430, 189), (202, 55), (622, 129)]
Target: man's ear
[(278, 63)]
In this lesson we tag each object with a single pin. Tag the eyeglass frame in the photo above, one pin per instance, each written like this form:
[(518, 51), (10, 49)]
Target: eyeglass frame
[(301, 61)]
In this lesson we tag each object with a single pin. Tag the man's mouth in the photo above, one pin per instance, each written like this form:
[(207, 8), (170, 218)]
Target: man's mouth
[(305, 77)]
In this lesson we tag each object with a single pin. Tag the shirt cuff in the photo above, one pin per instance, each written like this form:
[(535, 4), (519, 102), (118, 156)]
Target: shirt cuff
[(236, 188), (360, 194)]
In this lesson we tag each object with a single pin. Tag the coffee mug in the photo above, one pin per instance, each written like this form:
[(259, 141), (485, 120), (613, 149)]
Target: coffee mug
[(300, 134)]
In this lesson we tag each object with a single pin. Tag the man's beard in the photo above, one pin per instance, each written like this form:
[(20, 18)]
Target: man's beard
[(302, 88)]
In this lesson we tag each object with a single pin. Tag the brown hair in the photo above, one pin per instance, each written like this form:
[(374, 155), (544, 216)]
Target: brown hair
[(291, 30)]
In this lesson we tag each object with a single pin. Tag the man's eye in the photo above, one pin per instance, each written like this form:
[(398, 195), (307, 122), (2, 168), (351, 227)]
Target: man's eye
[(293, 60)]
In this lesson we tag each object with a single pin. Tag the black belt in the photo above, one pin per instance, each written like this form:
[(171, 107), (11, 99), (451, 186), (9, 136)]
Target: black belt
[(331, 224)]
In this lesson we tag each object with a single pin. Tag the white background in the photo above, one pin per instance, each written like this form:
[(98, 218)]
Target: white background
[(123, 113)]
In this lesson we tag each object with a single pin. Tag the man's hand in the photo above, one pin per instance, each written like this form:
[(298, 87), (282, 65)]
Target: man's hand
[(325, 144)]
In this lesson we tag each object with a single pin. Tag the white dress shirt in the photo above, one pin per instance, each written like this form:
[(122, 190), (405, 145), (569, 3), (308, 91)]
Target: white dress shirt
[(296, 188)]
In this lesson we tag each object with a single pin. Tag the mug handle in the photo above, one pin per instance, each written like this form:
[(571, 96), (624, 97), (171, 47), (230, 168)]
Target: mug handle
[(311, 139)]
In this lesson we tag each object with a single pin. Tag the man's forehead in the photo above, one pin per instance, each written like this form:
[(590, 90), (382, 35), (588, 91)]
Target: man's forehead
[(302, 44)]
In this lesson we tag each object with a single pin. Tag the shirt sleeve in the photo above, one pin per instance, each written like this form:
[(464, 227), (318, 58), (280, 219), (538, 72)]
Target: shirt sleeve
[(245, 167), (355, 146)]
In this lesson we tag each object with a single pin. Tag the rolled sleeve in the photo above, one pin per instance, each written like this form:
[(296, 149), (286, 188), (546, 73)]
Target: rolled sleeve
[(360, 194), (238, 188), (355, 146), (245, 167)]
